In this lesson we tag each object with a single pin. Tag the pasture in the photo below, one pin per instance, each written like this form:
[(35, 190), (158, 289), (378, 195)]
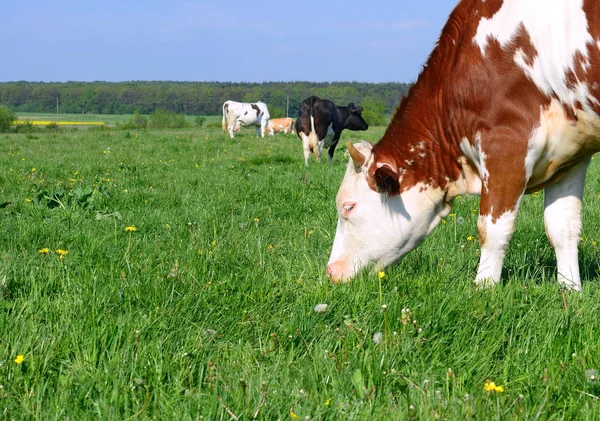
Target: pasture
[(207, 309)]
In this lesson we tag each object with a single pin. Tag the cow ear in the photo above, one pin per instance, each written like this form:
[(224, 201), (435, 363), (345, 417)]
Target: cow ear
[(356, 155), (387, 180)]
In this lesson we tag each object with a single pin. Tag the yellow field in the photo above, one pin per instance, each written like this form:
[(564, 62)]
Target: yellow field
[(60, 123)]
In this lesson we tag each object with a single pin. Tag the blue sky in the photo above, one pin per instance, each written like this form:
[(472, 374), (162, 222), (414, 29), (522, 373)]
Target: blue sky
[(218, 40)]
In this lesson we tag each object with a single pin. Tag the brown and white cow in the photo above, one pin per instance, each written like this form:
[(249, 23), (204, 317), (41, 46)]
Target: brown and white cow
[(507, 104), (279, 125)]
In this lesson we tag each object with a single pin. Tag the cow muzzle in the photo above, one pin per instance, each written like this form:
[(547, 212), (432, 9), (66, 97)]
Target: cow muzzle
[(338, 272)]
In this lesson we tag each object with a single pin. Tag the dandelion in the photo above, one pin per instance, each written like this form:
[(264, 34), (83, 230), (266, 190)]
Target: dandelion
[(381, 274), (271, 246), (213, 243), (490, 386), (256, 220), (470, 238), (310, 233), (452, 215), (130, 228), (28, 200), (45, 250), (61, 253), (378, 338), (320, 308), (328, 401), (591, 376), (293, 415), (20, 358)]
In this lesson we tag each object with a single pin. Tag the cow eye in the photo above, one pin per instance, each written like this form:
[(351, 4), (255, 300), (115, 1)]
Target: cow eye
[(347, 208)]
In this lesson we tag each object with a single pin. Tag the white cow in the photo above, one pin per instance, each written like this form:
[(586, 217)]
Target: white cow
[(237, 114)]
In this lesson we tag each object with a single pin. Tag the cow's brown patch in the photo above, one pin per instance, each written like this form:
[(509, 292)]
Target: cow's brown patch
[(257, 109), (462, 94)]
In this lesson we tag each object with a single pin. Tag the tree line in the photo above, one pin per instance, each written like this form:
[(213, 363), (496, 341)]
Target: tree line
[(191, 98)]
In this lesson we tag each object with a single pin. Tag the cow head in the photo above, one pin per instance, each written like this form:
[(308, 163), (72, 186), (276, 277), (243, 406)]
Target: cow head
[(378, 221), (355, 120)]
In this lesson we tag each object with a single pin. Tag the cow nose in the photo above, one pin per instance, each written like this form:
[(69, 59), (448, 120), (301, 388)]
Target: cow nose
[(335, 271)]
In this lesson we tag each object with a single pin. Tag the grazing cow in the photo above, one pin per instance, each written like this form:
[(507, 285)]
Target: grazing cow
[(320, 123), (280, 125), (507, 104), (237, 114)]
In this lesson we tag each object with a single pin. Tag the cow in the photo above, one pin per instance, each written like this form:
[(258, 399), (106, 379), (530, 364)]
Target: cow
[(320, 123), (279, 125), (237, 114), (507, 104)]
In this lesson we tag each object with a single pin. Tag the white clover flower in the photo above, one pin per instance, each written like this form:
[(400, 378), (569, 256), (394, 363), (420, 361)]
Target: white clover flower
[(378, 338), (320, 308), (591, 376)]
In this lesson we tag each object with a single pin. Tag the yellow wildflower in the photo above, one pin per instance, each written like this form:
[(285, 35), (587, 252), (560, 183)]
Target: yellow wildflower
[(28, 200), (130, 228), (328, 402), (381, 274), (256, 219), (490, 386), (20, 358), (44, 250), (271, 246), (213, 243), (293, 415), (470, 238), (452, 215), (61, 253)]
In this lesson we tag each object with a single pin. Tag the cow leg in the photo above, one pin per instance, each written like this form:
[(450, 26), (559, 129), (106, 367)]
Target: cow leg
[(332, 148), (305, 147), (258, 130), (500, 200), (320, 146), (562, 218), (230, 128)]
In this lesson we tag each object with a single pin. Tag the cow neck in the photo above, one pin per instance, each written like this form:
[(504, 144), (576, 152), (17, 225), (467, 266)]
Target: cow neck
[(418, 142), (422, 141)]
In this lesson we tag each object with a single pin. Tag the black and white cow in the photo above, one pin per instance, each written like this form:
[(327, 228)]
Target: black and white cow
[(320, 123), (236, 114)]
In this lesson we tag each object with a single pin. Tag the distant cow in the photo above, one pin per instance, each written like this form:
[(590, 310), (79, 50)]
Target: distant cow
[(242, 114), (320, 123), (280, 125), (507, 104)]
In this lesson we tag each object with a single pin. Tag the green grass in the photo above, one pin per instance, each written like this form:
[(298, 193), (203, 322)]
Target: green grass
[(207, 309)]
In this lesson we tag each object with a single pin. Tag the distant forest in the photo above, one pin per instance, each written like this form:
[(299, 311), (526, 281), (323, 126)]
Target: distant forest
[(191, 98)]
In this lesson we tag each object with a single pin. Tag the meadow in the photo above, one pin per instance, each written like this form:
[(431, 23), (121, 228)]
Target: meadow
[(175, 274)]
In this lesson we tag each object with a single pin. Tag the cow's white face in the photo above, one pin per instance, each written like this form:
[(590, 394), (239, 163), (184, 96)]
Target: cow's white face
[(375, 228)]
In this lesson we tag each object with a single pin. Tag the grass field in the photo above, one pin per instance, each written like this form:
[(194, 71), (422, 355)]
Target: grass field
[(206, 310)]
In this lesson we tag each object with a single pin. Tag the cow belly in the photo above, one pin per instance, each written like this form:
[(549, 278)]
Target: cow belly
[(247, 121), (328, 139), (559, 143)]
